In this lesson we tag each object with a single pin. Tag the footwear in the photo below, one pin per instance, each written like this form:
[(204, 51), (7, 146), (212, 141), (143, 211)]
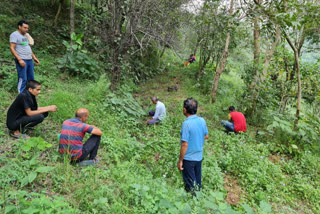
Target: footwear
[(19, 136), (96, 160), (88, 162)]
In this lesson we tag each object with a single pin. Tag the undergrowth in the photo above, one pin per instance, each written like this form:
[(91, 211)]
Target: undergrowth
[(137, 169)]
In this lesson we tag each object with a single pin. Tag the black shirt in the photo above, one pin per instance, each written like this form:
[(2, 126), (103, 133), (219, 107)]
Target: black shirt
[(23, 101)]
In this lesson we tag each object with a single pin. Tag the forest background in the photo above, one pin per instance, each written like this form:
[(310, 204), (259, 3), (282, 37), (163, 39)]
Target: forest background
[(261, 56)]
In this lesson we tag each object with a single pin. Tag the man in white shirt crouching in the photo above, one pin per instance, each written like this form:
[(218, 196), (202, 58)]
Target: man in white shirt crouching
[(159, 114)]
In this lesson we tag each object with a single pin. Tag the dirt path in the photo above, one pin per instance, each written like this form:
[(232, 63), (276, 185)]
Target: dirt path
[(170, 90)]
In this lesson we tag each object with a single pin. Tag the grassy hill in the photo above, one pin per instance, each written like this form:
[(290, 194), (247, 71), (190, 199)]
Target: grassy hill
[(255, 172), (137, 170)]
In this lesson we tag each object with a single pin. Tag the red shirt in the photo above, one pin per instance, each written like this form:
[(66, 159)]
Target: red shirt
[(239, 121)]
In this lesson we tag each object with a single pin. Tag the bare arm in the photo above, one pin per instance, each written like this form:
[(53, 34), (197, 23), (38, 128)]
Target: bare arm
[(35, 59), (96, 131), (206, 137), (14, 53), (183, 150), (40, 110)]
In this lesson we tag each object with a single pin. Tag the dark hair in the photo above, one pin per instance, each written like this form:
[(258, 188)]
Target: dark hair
[(231, 108), (21, 22), (191, 105), (32, 84)]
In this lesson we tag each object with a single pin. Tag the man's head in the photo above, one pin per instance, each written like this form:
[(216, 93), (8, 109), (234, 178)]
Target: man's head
[(82, 114), (23, 27), (154, 100), (34, 87), (231, 108), (190, 106)]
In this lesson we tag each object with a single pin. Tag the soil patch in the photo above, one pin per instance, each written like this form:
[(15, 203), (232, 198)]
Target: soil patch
[(156, 158), (234, 190), (274, 159)]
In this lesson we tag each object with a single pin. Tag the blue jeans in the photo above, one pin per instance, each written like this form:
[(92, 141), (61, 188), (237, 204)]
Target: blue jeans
[(228, 125), (191, 174), (24, 73)]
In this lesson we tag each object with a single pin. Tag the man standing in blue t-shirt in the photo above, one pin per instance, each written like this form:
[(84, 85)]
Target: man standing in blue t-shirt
[(21, 50), (193, 133)]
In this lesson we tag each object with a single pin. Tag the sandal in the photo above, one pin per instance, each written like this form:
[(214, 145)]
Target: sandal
[(88, 162), (19, 136)]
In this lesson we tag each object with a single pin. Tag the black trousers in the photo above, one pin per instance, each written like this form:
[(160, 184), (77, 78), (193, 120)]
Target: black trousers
[(26, 122), (90, 148), (192, 175)]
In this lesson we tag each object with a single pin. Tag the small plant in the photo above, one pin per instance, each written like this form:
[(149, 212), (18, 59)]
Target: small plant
[(32, 144), (78, 61)]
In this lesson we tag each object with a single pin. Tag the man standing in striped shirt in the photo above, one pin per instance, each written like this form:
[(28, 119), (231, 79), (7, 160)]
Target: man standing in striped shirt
[(71, 137)]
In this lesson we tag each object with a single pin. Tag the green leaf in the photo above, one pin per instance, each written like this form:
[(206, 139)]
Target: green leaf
[(247, 208), (165, 203), (44, 169), (218, 196), (74, 47), (9, 208), (26, 147), (265, 207), (66, 43), (32, 176), (210, 205), (31, 210), (33, 161), (223, 207), (24, 181)]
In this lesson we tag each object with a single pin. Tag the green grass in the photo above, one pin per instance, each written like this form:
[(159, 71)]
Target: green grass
[(137, 172)]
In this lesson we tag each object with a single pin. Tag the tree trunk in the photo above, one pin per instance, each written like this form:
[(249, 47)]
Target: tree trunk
[(256, 52), (299, 92), (224, 57), (203, 65), (196, 47), (58, 13), (204, 57), (270, 54), (72, 2), (162, 52)]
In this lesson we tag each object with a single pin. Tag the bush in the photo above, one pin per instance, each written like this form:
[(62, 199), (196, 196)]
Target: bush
[(77, 61)]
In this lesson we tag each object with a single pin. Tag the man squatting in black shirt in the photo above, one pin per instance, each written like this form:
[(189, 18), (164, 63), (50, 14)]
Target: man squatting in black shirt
[(24, 112)]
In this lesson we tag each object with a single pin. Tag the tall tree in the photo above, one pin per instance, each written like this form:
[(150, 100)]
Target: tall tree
[(58, 13), (222, 62), (72, 6), (127, 28)]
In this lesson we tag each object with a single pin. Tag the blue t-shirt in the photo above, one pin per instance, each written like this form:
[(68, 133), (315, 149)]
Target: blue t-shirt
[(193, 131)]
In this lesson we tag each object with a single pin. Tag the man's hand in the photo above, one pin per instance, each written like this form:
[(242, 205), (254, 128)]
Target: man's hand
[(96, 131), (179, 165), (52, 108), (36, 60), (22, 63)]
